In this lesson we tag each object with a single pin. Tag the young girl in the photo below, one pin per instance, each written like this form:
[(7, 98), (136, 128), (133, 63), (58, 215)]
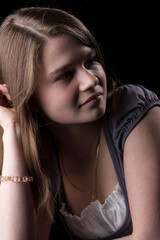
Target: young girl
[(80, 155)]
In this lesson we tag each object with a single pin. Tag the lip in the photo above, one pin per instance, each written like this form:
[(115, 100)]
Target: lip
[(93, 99)]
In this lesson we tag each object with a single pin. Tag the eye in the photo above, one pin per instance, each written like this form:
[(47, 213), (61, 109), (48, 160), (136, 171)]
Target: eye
[(90, 62), (66, 76)]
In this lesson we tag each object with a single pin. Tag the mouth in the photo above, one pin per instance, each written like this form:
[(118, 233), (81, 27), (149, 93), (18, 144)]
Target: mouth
[(94, 99)]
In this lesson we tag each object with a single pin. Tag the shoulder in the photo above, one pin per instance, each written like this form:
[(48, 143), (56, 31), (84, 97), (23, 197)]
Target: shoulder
[(126, 108), (131, 96)]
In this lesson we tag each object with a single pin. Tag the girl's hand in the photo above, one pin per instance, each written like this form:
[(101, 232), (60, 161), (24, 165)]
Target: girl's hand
[(7, 113)]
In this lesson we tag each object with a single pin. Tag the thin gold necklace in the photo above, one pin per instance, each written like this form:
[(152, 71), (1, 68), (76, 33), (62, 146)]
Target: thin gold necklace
[(93, 191)]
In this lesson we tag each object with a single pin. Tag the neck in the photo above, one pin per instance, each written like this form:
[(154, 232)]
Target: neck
[(77, 141), (78, 148)]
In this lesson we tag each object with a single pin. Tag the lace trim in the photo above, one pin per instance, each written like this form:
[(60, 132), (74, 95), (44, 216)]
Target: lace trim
[(98, 220)]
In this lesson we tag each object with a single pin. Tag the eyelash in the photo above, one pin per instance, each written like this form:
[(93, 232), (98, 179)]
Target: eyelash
[(90, 61), (67, 75)]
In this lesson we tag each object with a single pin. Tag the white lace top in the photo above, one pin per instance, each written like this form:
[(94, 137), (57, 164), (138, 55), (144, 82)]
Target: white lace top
[(98, 220)]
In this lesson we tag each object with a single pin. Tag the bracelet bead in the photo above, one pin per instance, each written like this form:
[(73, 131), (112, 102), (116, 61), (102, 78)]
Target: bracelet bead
[(16, 179)]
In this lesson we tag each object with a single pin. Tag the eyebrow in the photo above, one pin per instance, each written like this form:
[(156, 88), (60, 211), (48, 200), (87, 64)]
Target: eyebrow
[(60, 69), (68, 65)]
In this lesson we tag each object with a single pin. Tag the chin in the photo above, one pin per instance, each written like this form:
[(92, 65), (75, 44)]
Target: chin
[(95, 117)]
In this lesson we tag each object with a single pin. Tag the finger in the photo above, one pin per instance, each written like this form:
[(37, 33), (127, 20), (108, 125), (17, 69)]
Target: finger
[(4, 91)]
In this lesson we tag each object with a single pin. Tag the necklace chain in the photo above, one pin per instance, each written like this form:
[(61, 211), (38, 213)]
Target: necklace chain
[(93, 191)]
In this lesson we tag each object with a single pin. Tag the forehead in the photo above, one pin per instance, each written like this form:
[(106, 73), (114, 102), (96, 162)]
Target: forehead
[(62, 49)]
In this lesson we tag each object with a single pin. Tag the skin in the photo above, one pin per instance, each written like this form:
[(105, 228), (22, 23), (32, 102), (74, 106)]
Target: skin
[(15, 199), (81, 125), (73, 116), (142, 176), (70, 68), (78, 88)]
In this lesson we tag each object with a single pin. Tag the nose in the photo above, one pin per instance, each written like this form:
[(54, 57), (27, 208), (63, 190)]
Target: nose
[(87, 80)]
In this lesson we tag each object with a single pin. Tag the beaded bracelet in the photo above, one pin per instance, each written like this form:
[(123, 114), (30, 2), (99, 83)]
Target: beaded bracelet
[(16, 179)]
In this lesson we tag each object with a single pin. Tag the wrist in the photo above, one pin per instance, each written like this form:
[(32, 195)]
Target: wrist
[(10, 128)]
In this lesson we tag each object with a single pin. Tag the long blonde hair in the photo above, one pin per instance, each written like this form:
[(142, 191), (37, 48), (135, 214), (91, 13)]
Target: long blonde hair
[(22, 38)]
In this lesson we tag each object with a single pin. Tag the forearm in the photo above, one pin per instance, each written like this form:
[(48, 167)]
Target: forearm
[(16, 211)]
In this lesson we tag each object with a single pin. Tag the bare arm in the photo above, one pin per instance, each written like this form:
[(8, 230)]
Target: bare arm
[(142, 173), (16, 211)]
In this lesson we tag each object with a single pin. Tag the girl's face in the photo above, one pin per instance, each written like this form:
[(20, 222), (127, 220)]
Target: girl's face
[(72, 84)]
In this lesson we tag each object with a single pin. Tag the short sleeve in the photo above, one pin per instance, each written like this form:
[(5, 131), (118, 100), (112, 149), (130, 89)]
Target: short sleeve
[(125, 109)]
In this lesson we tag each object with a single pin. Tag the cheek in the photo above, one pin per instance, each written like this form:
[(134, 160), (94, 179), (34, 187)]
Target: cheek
[(104, 78), (100, 73), (57, 105), (103, 81)]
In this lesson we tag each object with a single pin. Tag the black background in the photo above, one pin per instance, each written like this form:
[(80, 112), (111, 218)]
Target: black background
[(128, 33)]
